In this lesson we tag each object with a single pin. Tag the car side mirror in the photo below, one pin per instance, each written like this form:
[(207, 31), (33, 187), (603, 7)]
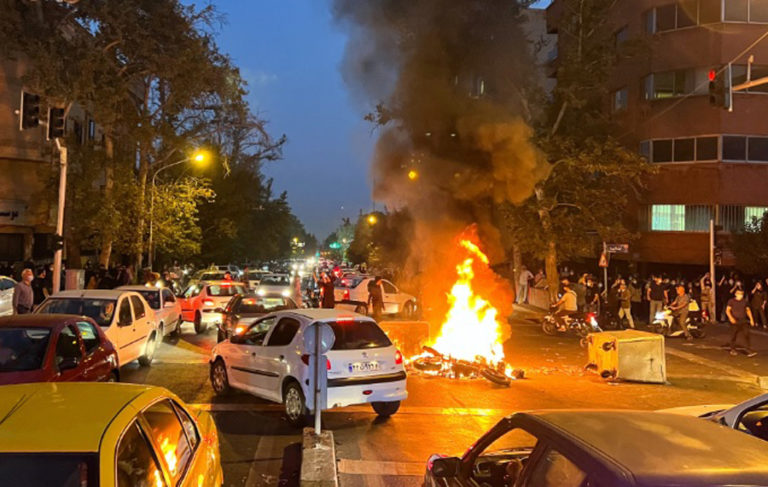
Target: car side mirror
[(447, 467), (68, 364)]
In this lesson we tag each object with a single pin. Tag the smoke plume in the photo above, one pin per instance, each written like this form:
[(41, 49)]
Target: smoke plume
[(448, 82)]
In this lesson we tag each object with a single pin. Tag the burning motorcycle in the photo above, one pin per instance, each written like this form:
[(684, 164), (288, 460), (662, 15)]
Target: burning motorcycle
[(664, 321), (579, 324)]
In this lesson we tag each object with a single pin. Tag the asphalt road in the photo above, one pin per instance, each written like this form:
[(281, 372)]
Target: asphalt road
[(441, 415)]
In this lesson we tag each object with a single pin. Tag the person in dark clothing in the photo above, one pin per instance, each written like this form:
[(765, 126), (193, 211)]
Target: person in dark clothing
[(23, 297), (657, 296), (375, 298), (757, 303), (38, 287), (326, 291), (740, 317)]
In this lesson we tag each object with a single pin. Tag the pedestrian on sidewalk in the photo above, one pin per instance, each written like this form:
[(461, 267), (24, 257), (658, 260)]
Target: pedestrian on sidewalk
[(757, 303), (657, 296), (522, 285), (625, 304), (738, 312), (23, 295)]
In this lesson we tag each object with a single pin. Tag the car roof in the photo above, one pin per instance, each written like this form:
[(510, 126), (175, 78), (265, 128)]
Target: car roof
[(663, 449), (141, 288), (61, 417), (323, 314), (38, 320), (220, 282), (91, 293)]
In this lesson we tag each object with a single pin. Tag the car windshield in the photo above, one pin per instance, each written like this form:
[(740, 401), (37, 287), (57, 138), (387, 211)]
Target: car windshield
[(350, 282), (275, 281), (265, 304), (22, 348), (355, 335), (99, 310), (212, 276), (61, 470), (255, 275), (152, 297), (225, 290)]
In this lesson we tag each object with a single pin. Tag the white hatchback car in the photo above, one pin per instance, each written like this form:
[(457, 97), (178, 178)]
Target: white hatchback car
[(6, 295), (352, 293), (167, 308), (269, 361), (125, 317)]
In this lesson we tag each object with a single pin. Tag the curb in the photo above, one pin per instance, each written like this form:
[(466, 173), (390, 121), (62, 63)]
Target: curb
[(318, 459), (737, 375)]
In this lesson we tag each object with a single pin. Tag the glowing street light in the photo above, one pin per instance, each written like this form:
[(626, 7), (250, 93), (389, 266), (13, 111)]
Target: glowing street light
[(372, 220), (413, 175)]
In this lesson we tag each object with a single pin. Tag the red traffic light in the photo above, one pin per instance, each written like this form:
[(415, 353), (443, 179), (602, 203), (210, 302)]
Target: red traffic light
[(712, 75)]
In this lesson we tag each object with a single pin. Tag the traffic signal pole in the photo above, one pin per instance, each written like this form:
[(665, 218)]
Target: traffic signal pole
[(713, 295), (60, 214)]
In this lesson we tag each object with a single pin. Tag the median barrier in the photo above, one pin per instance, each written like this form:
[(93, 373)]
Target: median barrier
[(409, 336), (318, 459)]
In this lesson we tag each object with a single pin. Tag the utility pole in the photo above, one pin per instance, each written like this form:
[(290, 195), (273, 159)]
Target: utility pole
[(60, 214), (712, 262)]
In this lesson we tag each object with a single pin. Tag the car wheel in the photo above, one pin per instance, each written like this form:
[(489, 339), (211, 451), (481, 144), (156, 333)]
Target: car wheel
[(219, 379), (408, 310), (386, 409), (295, 404), (199, 326), (113, 377), (146, 359), (361, 309), (177, 329)]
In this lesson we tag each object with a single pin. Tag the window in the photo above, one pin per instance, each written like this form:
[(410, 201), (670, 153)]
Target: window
[(91, 129), (649, 21), (709, 11), (60, 469), (706, 149), (99, 310), (665, 17), (662, 150), (668, 218), (136, 464), (226, 290), (697, 218), (620, 100), (258, 331), (356, 335), (684, 150), (125, 317), (138, 308), (389, 288), (6, 284), (169, 437), (152, 297), (736, 10), (734, 148), (758, 11), (68, 348), (24, 348), (621, 36), (754, 213), (284, 332), (758, 149), (191, 291), (189, 426), (687, 13), (669, 84), (553, 469), (168, 296), (89, 335), (645, 149)]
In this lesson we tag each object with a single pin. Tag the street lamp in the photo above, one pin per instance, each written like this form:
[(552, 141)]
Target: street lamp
[(199, 156), (413, 175), (372, 220)]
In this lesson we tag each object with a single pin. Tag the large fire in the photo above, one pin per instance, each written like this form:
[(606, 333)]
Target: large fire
[(470, 329)]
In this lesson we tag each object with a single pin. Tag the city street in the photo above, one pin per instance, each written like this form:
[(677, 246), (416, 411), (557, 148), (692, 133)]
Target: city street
[(441, 415)]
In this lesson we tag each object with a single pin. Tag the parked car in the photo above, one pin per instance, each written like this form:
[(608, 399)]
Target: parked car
[(570, 448), (203, 303), (351, 292), (254, 278), (55, 348), (750, 416), (269, 361), (6, 295), (124, 316), (275, 283), (165, 305), (121, 435), (243, 310)]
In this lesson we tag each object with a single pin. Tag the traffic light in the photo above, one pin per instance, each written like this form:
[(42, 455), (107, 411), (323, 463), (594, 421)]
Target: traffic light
[(720, 88), (29, 114), (56, 123)]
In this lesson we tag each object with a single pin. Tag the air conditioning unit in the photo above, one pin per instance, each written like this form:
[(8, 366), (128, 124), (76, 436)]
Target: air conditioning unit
[(629, 355)]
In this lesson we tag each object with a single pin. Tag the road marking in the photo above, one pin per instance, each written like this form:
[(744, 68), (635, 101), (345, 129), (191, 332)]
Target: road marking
[(415, 410), (376, 467), (185, 345)]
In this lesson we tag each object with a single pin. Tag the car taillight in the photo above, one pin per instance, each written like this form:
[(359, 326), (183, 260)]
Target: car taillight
[(346, 295), (398, 357), (305, 359), (208, 302)]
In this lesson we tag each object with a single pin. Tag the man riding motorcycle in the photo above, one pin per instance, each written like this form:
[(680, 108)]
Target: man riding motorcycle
[(566, 305), (679, 308)]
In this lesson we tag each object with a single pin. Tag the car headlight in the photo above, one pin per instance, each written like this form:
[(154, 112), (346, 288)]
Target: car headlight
[(261, 292), (286, 293)]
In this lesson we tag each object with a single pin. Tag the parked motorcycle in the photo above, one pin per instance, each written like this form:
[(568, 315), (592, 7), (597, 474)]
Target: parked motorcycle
[(578, 324), (664, 323)]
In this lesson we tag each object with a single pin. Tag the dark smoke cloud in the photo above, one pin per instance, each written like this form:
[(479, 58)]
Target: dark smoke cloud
[(449, 75)]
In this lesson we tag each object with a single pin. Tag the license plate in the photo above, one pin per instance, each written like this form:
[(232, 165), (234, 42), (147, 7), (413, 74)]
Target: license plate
[(363, 366)]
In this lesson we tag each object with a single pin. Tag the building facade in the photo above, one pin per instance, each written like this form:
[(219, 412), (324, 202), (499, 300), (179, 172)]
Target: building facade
[(713, 163)]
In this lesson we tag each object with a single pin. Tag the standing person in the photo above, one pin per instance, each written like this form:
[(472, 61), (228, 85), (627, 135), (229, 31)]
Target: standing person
[(636, 294), (679, 308), (326, 291), (375, 298), (592, 297), (657, 296), (581, 292), (23, 295), (625, 304), (757, 303), (522, 285), (708, 303), (38, 287), (738, 312)]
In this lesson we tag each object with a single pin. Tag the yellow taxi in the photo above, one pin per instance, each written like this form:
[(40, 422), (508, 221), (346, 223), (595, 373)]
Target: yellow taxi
[(102, 434)]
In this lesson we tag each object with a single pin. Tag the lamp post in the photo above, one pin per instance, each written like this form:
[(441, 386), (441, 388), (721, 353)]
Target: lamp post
[(197, 157)]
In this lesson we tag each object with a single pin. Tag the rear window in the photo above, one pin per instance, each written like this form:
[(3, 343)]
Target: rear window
[(225, 290), (22, 349), (152, 298), (355, 335), (350, 282), (212, 276), (99, 310), (265, 304), (59, 469), (275, 281)]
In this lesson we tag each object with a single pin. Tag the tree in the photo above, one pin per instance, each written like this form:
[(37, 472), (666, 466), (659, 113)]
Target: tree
[(750, 246)]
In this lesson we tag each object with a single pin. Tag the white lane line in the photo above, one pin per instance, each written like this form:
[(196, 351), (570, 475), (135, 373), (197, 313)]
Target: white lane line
[(378, 468), (421, 410)]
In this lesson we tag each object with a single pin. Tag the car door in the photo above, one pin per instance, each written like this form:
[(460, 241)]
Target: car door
[(187, 301), (143, 323), (172, 441), (125, 332), (391, 306), (247, 363), (280, 356), (6, 296), (136, 462), (95, 365), (68, 356)]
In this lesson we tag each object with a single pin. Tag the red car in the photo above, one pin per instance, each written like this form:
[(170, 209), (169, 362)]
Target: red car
[(54, 348)]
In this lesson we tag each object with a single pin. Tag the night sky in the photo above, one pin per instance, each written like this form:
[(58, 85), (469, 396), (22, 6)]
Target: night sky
[(289, 51)]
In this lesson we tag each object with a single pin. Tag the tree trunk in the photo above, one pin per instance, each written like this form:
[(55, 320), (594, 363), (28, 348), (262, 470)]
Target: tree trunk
[(109, 183), (143, 172), (550, 257)]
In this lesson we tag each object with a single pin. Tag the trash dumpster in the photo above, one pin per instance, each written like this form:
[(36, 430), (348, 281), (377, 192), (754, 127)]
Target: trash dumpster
[(629, 355)]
